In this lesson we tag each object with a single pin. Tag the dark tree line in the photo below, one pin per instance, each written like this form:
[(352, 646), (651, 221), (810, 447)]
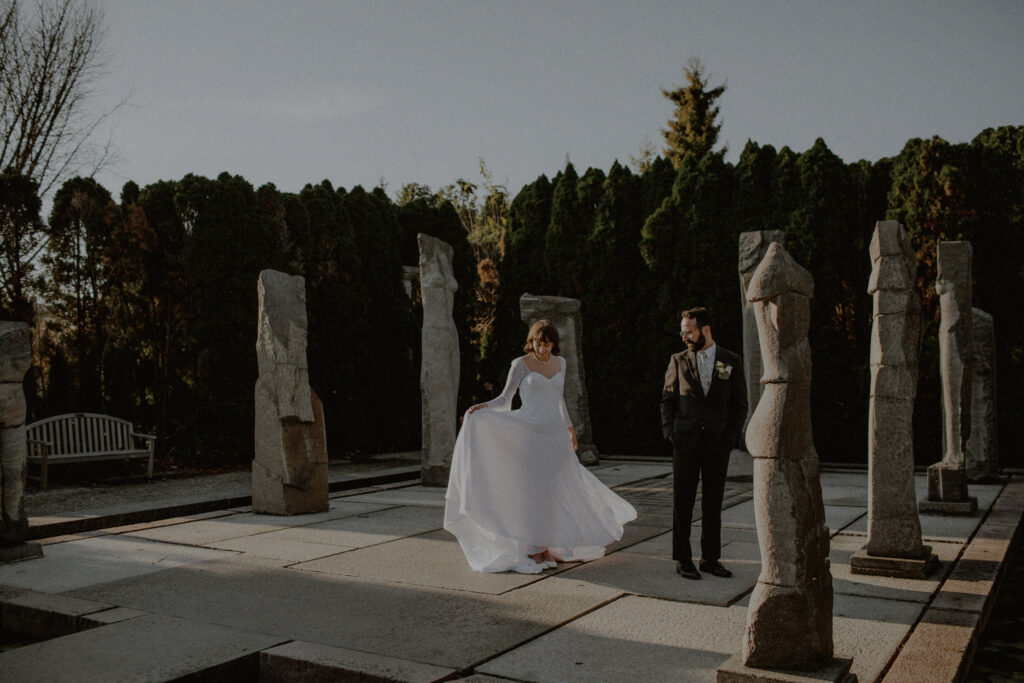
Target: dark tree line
[(147, 302)]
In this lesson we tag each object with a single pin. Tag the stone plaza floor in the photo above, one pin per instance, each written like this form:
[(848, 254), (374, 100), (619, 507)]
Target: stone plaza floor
[(375, 587)]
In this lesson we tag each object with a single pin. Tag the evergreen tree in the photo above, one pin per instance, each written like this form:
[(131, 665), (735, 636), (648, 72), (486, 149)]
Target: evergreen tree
[(694, 128), (21, 239)]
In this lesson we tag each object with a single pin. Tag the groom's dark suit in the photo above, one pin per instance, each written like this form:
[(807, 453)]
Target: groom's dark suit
[(703, 430)]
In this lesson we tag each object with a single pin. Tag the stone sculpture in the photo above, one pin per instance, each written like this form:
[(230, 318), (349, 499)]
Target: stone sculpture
[(565, 314), (289, 471), (789, 621), (439, 372), (947, 479), (983, 444), (894, 545), (15, 359), (752, 247)]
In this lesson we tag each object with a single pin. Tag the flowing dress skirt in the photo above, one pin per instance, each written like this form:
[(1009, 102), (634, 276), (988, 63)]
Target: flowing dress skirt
[(516, 488)]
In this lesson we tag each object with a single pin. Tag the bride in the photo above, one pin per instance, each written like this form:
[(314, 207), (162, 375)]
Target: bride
[(518, 499)]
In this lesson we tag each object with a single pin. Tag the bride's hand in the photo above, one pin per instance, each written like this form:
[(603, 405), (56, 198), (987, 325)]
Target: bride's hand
[(473, 409), (572, 435)]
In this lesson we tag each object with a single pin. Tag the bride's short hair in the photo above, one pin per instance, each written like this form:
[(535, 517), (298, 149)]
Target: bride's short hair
[(545, 331)]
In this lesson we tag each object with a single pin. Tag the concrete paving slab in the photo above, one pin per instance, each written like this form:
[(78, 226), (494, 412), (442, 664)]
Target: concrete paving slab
[(428, 496), (934, 527), (627, 640), (454, 629), (110, 616), (656, 577), (43, 615), (837, 517), (913, 590), (439, 563), (632, 471), (125, 652), (939, 642), (301, 661), (364, 530), (633, 534), (278, 548), (98, 560), (853, 496), (661, 545)]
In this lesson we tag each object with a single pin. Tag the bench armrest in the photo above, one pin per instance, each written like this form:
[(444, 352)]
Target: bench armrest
[(147, 437)]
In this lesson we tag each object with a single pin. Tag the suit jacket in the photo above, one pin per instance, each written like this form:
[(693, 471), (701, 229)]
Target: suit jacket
[(686, 411)]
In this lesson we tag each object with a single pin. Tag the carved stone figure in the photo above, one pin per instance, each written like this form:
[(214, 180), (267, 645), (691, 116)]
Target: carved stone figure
[(289, 471), (894, 545), (789, 621), (752, 247), (983, 444), (565, 314), (15, 359), (439, 372), (947, 479)]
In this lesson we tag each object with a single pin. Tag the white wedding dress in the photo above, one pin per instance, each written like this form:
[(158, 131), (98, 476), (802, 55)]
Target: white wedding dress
[(516, 486)]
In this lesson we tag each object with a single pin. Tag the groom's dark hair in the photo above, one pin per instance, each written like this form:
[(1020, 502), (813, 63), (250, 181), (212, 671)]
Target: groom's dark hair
[(700, 314)]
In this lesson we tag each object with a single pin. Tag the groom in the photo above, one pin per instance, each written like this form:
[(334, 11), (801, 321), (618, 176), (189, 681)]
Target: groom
[(703, 406)]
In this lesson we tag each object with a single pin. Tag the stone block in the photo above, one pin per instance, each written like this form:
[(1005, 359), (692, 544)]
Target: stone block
[(891, 274), (281, 342), (864, 562), (13, 471), (565, 314), (12, 404), (734, 671), (15, 351), (889, 239), (896, 302), (897, 382), (948, 484), (793, 626), (439, 368), (42, 615), (302, 661), (895, 339), (936, 648), (983, 443)]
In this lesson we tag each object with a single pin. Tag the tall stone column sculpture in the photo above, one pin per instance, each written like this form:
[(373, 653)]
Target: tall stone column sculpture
[(752, 247), (894, 529), (439, 372), (565, 314), (289, 471), (15, 359), (789, 621), (947, 479), (983, 444)]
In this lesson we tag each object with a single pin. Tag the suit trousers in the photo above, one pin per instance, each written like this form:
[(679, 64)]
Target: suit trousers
[(693, 461)]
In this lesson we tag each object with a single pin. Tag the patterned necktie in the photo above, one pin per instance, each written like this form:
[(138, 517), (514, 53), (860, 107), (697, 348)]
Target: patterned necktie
[(702, 370)]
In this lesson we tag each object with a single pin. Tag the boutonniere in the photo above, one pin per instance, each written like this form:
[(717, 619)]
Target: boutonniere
[(722, 370)]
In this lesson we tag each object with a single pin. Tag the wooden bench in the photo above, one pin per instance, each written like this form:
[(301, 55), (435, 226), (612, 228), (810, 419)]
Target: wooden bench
[(80, 437)]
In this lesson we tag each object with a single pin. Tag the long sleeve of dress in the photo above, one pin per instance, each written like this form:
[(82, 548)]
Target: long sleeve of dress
[(561, 401), (515, 376)]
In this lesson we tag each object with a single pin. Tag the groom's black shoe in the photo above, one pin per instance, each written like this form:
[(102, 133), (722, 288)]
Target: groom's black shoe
[(687, 570), (715, 568)]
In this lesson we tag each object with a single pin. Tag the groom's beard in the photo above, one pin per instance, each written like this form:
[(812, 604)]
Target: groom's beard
[(696, 345)]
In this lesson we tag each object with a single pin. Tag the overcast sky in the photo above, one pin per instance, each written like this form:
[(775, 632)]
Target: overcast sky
[(293, 92)]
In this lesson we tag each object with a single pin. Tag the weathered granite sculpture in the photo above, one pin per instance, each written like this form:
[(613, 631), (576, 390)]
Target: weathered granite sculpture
[(289, 472), (983, 444), (15, 359), (894, 545), (947, 479), (789, 621), (439, 371), (752, 247), (564, 313)]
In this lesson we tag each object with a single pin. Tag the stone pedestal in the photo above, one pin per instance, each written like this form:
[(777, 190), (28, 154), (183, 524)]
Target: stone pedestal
[(947, 479), (734, 671), (894, 545), (15, 359), (289, 471), (564, 313), (439, 370), (789, 621), (983, 444)]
